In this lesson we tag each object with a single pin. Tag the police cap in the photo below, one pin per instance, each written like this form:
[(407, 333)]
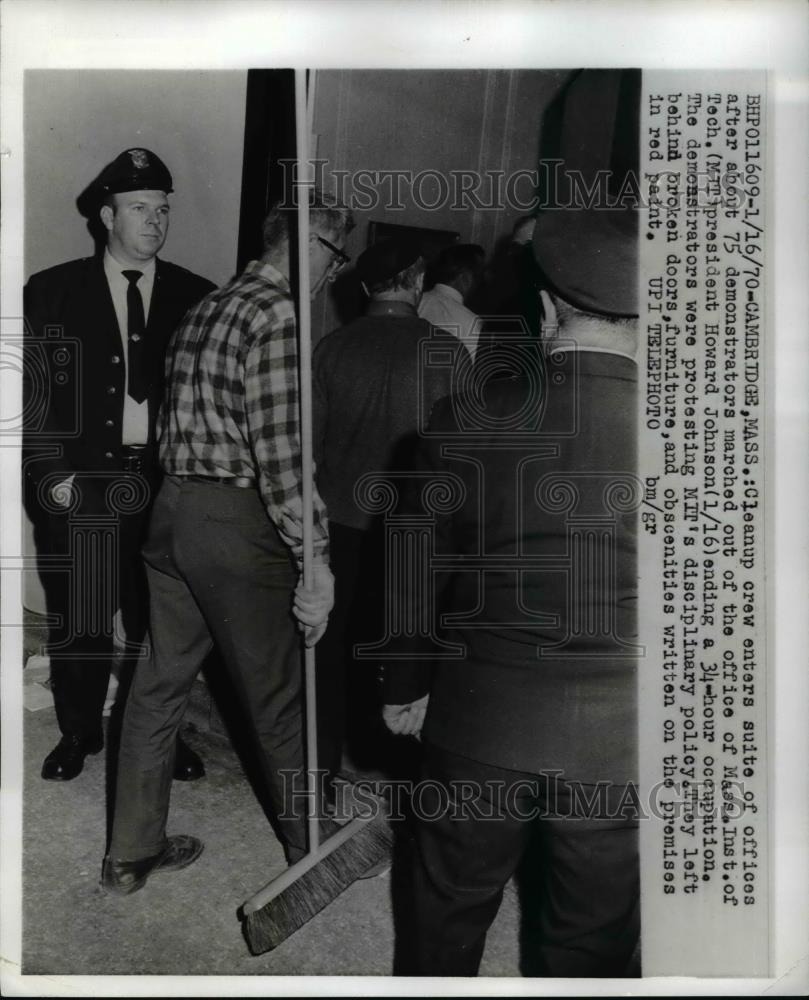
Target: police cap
[(587, 248), (387, 258), (134, 170)]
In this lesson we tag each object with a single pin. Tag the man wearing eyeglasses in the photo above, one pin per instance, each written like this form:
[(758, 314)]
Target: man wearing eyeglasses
[(372, 390), (224, 549), (338, 260)]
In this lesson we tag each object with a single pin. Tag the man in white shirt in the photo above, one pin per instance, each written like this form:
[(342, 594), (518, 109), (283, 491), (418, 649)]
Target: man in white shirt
[(456, 271), (97, 330)]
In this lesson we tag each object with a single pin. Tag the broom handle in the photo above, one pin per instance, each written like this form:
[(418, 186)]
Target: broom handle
[(305, 380)]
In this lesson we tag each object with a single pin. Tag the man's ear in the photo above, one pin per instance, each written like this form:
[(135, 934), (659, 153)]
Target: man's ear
[(107, 214), (550, 325)]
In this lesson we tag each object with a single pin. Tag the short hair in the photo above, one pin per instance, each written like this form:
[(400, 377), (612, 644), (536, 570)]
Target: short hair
[(108, 201), (325, 214), (458, 259), (403, 280)]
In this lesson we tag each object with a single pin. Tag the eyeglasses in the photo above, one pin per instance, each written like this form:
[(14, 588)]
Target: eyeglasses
[(340, 258)]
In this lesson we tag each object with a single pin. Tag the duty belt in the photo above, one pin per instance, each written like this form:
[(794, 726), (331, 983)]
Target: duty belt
[(136, 458)]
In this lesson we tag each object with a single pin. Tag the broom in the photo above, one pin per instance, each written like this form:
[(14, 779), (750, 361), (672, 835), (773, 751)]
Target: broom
[(305, 888)]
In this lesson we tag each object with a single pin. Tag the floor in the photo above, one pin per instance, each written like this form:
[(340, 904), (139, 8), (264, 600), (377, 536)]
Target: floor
[(185, 922)]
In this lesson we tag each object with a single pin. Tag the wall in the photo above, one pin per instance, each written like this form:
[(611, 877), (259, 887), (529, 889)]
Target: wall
[(78, 121), (436, 120)]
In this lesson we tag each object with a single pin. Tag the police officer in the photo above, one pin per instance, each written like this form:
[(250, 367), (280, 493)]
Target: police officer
[(97, 331)]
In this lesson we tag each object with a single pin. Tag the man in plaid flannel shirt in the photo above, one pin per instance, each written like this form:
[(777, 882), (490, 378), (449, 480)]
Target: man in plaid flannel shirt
[(224, 549)]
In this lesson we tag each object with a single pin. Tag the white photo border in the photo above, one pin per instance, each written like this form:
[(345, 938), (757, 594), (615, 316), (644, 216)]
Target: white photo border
[(241, 34)]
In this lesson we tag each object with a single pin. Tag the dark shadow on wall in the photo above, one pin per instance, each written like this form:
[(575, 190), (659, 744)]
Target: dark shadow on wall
[(269, 139)]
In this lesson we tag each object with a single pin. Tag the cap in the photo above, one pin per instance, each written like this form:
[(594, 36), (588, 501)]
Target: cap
[(134, 170), (586, 235), (384, 260)]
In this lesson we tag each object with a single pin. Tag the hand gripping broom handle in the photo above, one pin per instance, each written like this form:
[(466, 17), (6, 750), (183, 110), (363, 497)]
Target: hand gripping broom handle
[(305, 383)]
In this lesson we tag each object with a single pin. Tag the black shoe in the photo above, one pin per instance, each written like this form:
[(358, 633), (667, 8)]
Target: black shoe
[(123, 877), (66, 760), (187, 765)]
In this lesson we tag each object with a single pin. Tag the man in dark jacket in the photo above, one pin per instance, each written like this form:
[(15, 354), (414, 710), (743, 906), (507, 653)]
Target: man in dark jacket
[(537, 717), (533, 715), (97, 332), (373, 389)]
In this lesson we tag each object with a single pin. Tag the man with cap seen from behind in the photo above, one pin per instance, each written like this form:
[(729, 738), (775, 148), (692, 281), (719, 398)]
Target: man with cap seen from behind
[(90, 459), (531, 735)]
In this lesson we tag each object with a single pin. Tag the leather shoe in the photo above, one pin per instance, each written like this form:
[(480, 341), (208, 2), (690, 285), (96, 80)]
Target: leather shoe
[(187, 765), (124, 877), (66, 760)]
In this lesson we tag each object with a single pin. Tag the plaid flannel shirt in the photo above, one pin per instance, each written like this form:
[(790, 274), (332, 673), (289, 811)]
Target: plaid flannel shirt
[(231, 406)]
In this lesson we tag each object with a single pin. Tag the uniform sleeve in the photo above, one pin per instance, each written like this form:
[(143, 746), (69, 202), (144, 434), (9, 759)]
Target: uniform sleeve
[(272, 404), (43, 453)]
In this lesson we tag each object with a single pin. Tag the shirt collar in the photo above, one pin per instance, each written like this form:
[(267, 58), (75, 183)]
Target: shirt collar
[(114, 267), (390, 307), (449, 291), (270, 273)]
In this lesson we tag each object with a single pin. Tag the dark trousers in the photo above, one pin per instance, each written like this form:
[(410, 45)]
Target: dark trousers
[(473, 824), (217, 572), (90, 565), (347, 695)]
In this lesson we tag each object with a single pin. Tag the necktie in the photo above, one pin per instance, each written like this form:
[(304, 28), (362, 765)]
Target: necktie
[(136, 327)]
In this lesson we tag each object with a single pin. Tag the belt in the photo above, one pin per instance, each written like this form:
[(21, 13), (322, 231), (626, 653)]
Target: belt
[(242, 482), (136, 458)]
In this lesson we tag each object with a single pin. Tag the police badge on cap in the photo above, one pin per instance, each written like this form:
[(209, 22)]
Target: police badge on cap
[(134, 170)]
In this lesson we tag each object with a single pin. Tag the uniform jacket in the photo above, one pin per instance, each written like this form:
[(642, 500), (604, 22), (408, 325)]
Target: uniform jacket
[(547, 679), (74, 377)]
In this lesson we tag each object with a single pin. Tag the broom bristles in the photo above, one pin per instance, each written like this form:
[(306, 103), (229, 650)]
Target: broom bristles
[(287, 912)]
